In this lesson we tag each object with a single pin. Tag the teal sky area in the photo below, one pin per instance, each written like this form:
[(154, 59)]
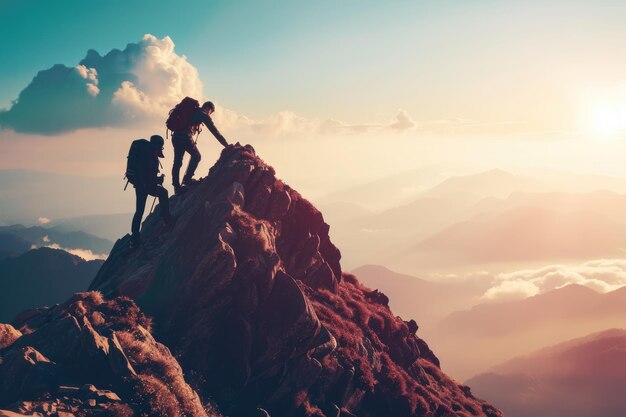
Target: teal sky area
[(357, 61)]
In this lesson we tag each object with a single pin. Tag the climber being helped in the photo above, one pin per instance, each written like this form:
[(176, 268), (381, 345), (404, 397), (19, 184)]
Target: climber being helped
[(184, 121), (142, 170)]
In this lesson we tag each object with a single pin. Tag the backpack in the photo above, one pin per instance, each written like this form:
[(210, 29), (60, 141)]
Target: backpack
[(141, 150), (180, 115)]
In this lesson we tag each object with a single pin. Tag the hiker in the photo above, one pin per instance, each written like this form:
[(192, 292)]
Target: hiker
[(184, 122), (142, 171)]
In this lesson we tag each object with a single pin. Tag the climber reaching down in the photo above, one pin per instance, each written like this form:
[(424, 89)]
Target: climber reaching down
[(184, 121)]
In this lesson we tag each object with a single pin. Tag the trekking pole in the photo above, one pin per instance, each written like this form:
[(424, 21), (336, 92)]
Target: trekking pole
[(127, 181), (153, 201)]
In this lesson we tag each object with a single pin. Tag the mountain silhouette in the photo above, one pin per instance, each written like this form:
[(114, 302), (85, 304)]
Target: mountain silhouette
[(42, 277), (495, 332), (42, 236), (492, 183), (579, 378), (12, 245), (522, 234), (247, 292)]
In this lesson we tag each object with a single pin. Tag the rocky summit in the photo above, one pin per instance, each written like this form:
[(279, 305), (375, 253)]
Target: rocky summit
[(246, 292)]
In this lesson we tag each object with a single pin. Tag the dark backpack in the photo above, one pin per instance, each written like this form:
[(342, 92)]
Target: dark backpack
[(141, 150), (180, 116)]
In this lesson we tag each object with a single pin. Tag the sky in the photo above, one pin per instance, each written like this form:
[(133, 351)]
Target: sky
[(360, 88)]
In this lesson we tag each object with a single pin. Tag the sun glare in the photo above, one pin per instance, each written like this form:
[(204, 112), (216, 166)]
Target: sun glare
[(610, 119)]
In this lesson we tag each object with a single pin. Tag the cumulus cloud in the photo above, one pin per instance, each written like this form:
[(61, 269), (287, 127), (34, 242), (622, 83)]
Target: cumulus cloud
[(141, 82), (601, 275), (43, 220)]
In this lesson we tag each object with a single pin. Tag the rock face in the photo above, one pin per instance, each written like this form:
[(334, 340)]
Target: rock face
[(91, 357), (247, 290)]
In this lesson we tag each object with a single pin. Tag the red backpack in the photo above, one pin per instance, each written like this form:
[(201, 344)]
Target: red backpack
[(180, 116)]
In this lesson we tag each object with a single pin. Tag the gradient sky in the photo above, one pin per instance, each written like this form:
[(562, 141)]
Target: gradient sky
[(490, 61), (532, 83)]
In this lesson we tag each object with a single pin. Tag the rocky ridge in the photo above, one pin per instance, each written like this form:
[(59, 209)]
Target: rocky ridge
[(247, 291), (90, 357)]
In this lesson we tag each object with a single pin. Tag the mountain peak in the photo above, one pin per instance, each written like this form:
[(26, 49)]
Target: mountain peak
[(242, 207), (248, 293)]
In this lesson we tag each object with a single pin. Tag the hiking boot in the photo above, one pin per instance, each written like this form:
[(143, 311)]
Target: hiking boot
[(134, 243), (191, 181)]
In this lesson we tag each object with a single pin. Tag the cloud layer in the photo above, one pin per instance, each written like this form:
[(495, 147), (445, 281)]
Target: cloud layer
[(289, 123), (86, 254), (602, 275), (141, 82)]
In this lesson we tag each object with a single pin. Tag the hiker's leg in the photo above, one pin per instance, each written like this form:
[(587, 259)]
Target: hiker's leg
[(179, 152), (164, 203), (193, 163), (140, 206)]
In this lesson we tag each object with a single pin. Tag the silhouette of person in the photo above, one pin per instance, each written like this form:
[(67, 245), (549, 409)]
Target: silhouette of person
[(148, 182), (183, 142)]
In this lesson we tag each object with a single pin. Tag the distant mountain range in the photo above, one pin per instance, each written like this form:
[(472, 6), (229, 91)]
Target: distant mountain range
[(526, 234), (492, 333), (42, 277), (13, 245), (108, 226), (452, 314), (390, 191), (583, 377), (17, 239), (493, 183), (418, 221), (493, 218), (419, 299)]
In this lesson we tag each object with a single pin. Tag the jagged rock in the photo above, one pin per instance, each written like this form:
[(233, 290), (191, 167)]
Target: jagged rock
[(24, 372), (247, 290), (378, 297), (8, 335), (7, 413), (119, 363), (130, 361), (412, 325)]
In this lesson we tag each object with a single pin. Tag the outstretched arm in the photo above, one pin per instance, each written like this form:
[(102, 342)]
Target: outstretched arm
[(208, 122)]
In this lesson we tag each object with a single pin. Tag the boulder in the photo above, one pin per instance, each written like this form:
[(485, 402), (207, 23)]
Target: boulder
[(8, 335), (140, 374), (26, 372)]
